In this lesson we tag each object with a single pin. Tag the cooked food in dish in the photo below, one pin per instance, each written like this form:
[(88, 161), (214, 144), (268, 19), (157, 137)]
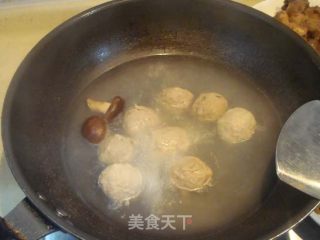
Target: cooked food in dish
[(236, 125), (176, 100), (303, 19), (209, 107), (116, 149), (121, 182), (317, 210), (139, 119), (170, 140), (191, 174), (95, 127), (98, 106)]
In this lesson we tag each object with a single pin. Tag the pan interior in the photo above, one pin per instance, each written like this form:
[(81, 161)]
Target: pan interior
[(244, 174)]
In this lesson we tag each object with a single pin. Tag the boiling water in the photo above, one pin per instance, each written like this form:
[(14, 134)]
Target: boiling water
[(243, 173)]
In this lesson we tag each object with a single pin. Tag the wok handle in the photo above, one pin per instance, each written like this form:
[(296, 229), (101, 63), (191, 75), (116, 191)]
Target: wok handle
[(25, 222), (308, 229), (5, 233)]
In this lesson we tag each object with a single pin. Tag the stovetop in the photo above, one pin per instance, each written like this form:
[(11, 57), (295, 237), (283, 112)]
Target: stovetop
[(24, 22)]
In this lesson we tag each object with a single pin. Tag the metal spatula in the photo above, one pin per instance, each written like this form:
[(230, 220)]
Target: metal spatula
[(298, 150)]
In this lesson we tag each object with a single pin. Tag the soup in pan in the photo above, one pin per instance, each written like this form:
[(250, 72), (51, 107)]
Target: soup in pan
[(195, 138)]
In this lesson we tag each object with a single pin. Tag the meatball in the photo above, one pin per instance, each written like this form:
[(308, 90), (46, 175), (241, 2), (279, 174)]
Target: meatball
[(236, 125), (191, 174), (175, 100), (170, 140), (121, 182), (208, 107), (140, 119), (116, 149)]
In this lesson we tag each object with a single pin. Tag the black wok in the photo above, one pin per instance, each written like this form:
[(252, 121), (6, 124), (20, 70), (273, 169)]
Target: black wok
[(43, 90)]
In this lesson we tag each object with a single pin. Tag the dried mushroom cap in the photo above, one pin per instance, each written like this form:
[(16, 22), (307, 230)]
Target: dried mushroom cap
[(191, 174)]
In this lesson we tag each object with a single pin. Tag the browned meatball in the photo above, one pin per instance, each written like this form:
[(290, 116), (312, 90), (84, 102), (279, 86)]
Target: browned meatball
[(191, 174)]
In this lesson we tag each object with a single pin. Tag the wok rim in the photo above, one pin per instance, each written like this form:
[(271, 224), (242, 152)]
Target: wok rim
[(9, 155)]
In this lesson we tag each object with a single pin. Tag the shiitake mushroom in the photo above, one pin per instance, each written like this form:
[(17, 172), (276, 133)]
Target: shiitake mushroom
[(95, 127)]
